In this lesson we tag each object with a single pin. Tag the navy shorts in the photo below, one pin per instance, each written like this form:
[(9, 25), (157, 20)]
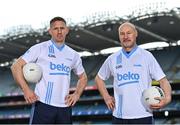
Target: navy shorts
[(145, 120), (42, 113)]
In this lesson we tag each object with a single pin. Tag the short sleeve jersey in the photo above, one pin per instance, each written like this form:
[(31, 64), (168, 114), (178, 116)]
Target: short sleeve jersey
[(133, 73), (56, 63)]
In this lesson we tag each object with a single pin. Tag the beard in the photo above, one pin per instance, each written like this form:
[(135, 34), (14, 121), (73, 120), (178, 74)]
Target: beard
[(128, 44)]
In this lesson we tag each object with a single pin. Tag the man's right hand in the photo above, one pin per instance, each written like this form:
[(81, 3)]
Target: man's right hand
[(30, 96)]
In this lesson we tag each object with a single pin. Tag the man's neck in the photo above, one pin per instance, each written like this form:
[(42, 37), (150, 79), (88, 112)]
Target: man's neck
[(58, 43), (128, 50)]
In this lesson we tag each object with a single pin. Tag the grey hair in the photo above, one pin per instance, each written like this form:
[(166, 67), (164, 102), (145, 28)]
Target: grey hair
[(129, 24)]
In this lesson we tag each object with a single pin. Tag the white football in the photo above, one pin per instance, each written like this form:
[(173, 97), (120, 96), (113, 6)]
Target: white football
[(32, 72), (150, 94)]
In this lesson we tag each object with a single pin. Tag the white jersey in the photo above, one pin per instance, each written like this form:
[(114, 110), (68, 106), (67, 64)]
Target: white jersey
[(56, 63), (132, 74)]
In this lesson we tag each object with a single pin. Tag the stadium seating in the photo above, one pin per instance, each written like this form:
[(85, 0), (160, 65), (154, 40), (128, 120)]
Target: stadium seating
[(91, 107)]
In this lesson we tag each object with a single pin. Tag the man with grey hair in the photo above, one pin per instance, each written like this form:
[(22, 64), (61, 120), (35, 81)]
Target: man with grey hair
[(133, 70)]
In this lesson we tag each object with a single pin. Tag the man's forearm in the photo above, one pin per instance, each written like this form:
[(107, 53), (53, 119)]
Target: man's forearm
[(17, 73), (81, 84), (101, 87), (164, 84)]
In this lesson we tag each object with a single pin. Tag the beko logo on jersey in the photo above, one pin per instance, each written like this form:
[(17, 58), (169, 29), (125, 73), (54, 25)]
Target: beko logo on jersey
[(128, 78), (61, 68)]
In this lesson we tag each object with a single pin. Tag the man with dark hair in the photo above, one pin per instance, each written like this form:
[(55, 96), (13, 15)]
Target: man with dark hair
[(133, 70), (57, 19), (51, 99)]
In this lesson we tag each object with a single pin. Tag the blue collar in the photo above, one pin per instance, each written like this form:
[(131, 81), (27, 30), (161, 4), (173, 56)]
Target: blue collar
[(130, 53), (59, 47)]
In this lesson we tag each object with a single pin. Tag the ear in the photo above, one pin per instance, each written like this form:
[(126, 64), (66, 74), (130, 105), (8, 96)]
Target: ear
[(136, 33), (67, 30), (49, 30)]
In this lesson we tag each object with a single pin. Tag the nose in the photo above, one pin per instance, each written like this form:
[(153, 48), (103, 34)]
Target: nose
[(125, 35), (59, 31)]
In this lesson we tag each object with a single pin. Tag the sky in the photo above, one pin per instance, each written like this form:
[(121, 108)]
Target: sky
[(37, 13)]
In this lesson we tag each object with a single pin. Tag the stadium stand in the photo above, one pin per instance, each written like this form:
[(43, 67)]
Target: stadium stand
[(169, 59), (91, 107)]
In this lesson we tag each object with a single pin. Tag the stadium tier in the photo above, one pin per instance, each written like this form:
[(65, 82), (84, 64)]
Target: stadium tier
[(169, 59), (90, 109)]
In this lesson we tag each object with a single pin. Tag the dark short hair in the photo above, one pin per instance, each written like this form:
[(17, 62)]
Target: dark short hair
[(57, 19)]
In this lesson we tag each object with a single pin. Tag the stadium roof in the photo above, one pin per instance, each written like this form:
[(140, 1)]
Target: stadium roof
[(97, 34)]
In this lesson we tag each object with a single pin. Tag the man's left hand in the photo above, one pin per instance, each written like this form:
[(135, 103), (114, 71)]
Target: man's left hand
[(71, 99)]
